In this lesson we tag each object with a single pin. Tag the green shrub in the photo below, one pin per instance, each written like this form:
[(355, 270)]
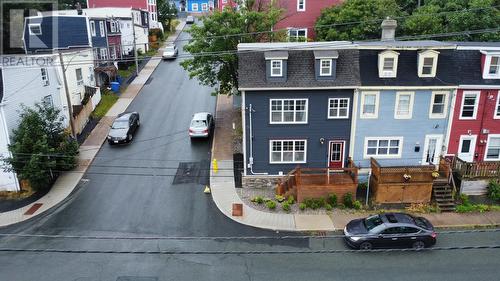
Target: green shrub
[(464, 198), (271, 205), (267, 199), (341, 206), (328, 207), (363, 185), (494, 190), (286, 207), (347, 200), (357, 205), (258, 199), (279, 198), (290, 200), (332, 200), (302, 206)]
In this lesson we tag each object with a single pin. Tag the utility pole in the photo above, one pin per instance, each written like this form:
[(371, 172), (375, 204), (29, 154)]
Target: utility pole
[(135, 46), (68, 98)]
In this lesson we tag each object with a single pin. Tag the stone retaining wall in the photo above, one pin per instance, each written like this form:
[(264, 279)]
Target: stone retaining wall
[(260, 181)]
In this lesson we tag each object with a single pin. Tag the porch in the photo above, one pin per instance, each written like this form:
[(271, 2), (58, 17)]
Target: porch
[(473, 177), (303, 183)]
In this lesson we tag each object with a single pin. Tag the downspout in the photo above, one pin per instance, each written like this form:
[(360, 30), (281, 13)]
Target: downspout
[(250, 160)]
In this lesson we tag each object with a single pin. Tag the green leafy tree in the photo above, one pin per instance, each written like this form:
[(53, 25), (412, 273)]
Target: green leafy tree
[(167, 11), (355, 19), (40, 146), (215, 42)]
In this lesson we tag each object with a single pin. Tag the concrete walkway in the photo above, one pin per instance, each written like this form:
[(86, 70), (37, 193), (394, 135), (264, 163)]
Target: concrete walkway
[(224, 193), (68, 181)]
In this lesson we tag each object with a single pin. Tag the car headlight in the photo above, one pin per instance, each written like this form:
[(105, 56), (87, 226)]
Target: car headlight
[(354, 238)]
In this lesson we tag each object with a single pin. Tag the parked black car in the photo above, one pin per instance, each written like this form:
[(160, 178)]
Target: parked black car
[(390, 230), (124, 128)]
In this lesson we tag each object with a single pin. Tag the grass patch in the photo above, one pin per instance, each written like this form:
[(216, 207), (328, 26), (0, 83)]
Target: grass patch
[(125, 73), (107, 100)]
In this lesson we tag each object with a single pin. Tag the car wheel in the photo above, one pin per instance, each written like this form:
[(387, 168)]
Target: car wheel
[(138, 122), (366, 246), (418, 245)]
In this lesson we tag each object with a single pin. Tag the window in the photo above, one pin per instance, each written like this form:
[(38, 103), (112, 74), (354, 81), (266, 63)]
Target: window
[(276, 68), (101, 29), (297, 34), (369, 104), (287, 151), (112, 25), (338, 108), (224, 1), (92, 27), (497, 107), (301, 5), (388, 64), (204, 7), (427, 63), (493, 148), (35, 29), (470, 101), (288, 111), (383, 147), (45, 76), (439, 102), (194, 6), (404, 105), (325, 68), (47, 100), (492, 67), (104, 54), (112, 52), (79, 76)]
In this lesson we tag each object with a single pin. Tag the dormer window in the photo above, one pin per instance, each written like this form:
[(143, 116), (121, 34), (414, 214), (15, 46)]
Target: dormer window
[(427, 63), (325, 64), (276, 68), (492, 66), (388, 64), (325, 67)]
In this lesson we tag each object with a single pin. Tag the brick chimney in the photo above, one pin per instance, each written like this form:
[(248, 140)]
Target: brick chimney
[(388, 29)]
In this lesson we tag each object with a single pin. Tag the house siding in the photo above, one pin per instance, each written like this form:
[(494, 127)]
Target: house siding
[(413, 131), (318, 126), (99, 41), (189, 4)]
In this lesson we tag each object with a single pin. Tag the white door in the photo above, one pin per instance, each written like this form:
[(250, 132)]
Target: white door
[(432, 149), (467, 147)]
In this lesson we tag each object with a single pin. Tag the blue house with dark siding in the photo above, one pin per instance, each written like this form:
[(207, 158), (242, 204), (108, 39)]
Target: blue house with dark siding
[(199, 6), (297, 104), (98, 33)]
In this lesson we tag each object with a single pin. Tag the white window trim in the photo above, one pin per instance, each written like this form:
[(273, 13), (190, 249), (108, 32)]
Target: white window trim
[(381, 57), (92, 28), (394, 156), (101, 29), (496, 114), (365, 115), (321, 67), (34, 24), (488, 146), (204, 6), (45, 78), (410, 109), (445, 109), (303, 4), (193, 5), (112, 26), (281, 68), (427, 54), (473, 139), (79, 82), (282, 112), (287, 162), (290, 29), (104, 54), (338, 117), (476, 105), (487, 64)]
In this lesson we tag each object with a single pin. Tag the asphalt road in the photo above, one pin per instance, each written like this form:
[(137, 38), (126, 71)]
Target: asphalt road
[(131, 191)]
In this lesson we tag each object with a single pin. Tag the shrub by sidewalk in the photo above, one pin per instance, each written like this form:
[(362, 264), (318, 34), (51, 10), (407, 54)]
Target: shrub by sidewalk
[(108, 99)]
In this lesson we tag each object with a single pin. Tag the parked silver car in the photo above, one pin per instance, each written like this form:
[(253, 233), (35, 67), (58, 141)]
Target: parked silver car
[(190, 19), (170, 52), (201, 125)]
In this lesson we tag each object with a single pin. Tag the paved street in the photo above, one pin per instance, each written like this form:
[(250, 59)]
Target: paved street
[(131, 191)]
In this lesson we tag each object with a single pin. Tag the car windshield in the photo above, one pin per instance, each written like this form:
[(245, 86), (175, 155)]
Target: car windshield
[(198, 123), (372, 222), (169, 49), (120, 125)]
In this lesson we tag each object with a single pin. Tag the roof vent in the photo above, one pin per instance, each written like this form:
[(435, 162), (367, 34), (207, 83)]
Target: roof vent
[(389, 29)]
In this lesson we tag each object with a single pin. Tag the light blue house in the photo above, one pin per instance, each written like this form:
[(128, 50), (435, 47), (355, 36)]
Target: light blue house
[(403, 104), (199, 6)]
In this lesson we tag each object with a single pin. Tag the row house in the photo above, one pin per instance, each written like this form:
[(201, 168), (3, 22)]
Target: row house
[(299, 16), (199, 6), (148, 7), (222, 4), (403, 103)]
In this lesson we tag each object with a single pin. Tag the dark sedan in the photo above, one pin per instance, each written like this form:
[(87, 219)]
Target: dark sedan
[(391, 230), (124, 128)]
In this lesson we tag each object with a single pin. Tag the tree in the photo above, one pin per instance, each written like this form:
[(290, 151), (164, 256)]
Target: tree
[(214, 43), (167, 11), (40, 146), (355, 19)]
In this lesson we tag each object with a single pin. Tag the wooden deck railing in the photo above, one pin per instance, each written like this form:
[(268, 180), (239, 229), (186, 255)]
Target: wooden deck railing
[(394, 174), (476, 169)]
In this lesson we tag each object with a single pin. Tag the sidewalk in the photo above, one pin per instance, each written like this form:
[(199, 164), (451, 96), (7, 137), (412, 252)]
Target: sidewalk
[(224, 193), (68, 181)]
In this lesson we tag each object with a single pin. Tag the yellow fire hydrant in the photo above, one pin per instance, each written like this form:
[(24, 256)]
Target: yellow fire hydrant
[(215, 167)]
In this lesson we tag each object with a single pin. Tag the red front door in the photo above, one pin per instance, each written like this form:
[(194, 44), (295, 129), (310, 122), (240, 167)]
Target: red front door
[(336, 154)]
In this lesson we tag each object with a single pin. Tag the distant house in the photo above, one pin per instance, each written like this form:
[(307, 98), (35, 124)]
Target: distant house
[(298, 101), (199, 6), (149, 6), (114, 38), (221, 4), (475, 124)]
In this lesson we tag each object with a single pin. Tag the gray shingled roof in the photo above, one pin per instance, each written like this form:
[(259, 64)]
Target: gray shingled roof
[(300, 72), (326, 54), (282, 55)]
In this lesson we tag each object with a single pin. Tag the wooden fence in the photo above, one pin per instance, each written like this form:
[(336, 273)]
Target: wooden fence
[(476, 169)]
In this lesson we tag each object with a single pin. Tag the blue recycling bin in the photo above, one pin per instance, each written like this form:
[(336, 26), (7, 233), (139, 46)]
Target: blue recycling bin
[(115, 87)]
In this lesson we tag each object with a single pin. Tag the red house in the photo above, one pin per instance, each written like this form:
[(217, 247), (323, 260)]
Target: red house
[(145, 5), (475, 125), (221, 4), (300, 16)]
